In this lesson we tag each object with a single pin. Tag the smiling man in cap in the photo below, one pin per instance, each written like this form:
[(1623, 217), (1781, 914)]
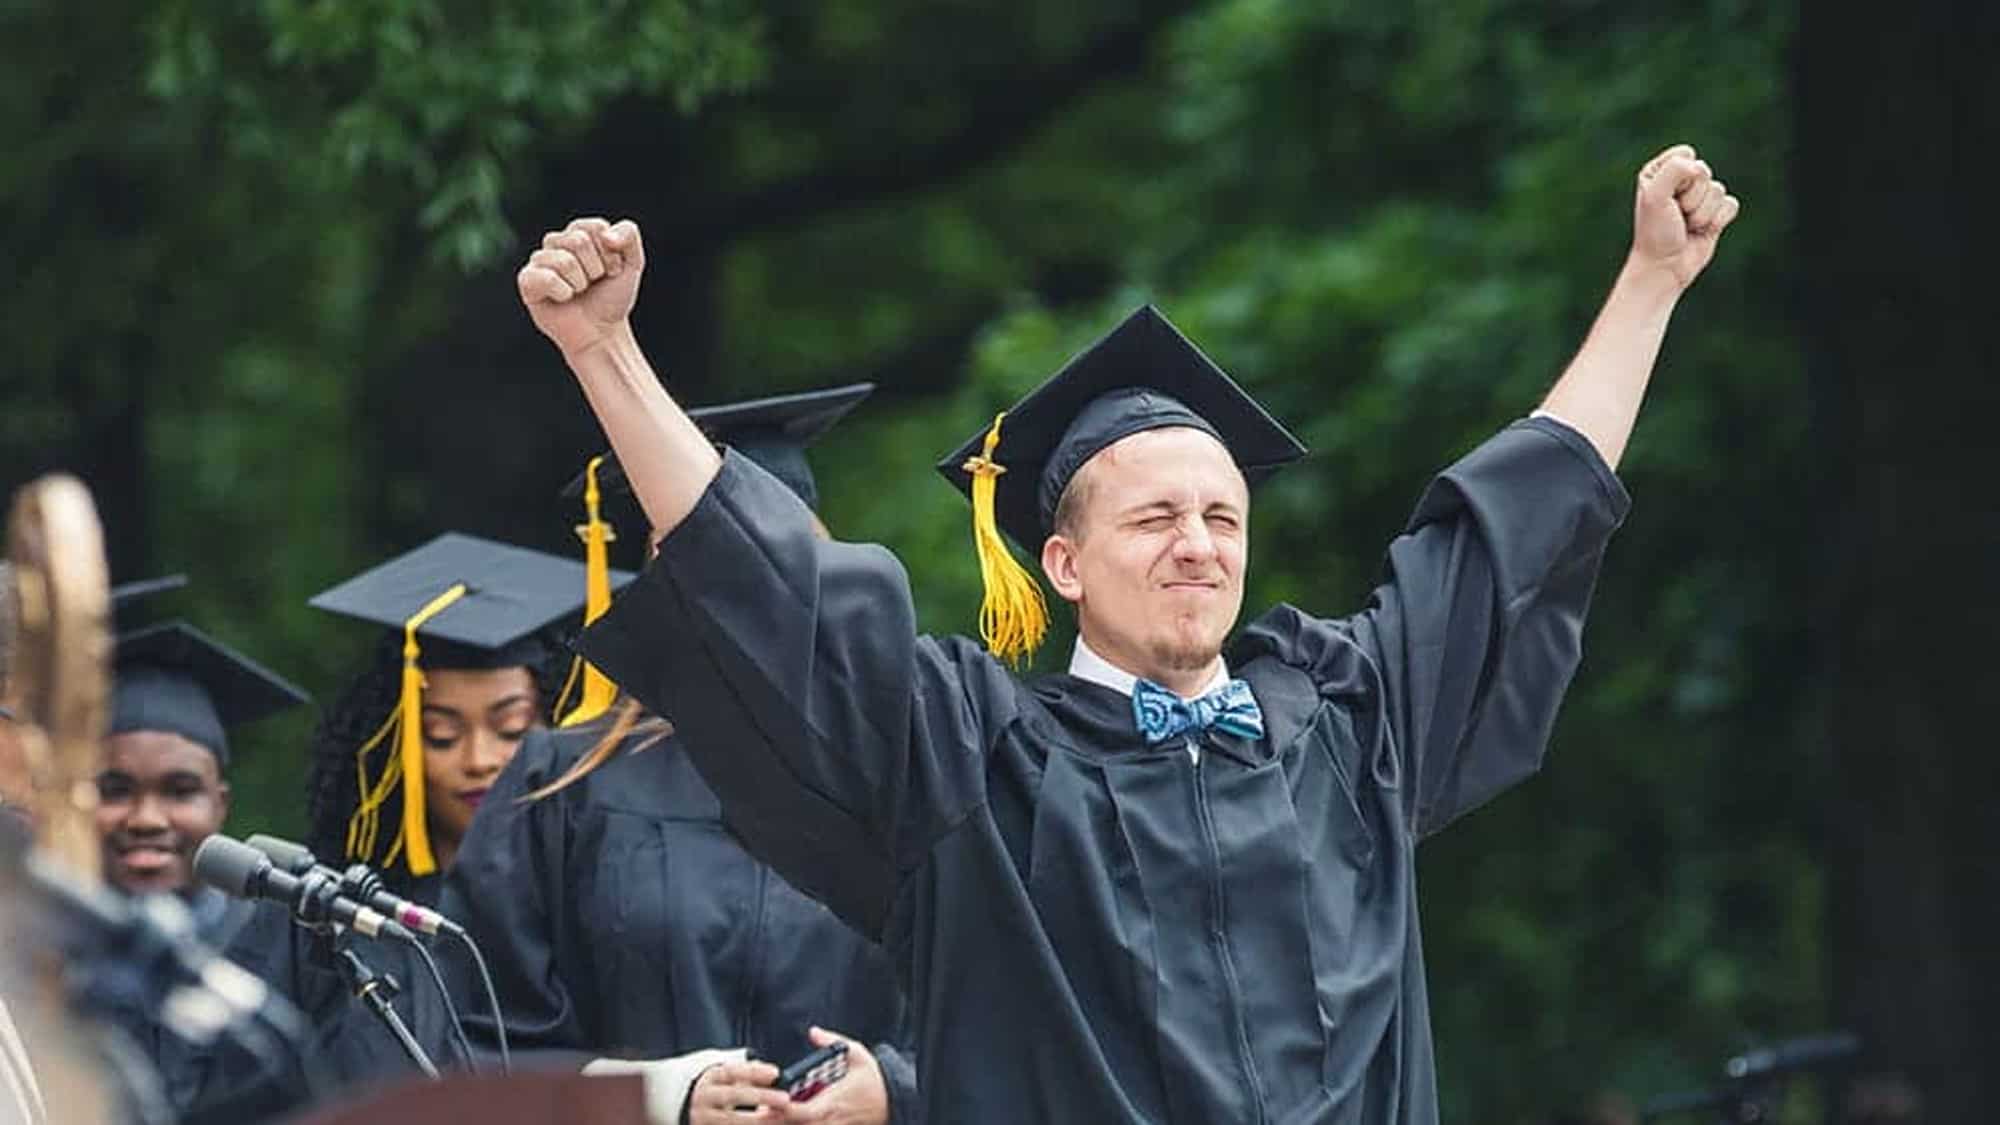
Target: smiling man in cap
[(1176, 883), (164, 785)]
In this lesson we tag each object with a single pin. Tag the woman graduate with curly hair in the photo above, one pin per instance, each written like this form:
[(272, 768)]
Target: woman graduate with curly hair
[(623, 918), (471, 664), (398, 766)]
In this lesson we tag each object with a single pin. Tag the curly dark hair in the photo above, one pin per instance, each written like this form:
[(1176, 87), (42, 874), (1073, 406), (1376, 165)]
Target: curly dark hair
[(332, 789)]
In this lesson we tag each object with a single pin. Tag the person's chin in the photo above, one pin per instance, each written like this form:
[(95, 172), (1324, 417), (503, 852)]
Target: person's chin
[(1189, 651), (450, 816)]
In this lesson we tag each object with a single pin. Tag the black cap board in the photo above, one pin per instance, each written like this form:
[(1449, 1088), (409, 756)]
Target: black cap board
[(774, 432), (512, 595), (173, 677)]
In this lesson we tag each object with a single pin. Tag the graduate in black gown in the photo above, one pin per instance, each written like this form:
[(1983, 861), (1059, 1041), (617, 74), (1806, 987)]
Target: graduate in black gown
[(176, 694), (398, 766), (1176, 883), (622, 918)]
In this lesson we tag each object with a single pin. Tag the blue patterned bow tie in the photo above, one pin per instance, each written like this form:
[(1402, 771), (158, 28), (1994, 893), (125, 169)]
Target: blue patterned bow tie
[(1160, 714)]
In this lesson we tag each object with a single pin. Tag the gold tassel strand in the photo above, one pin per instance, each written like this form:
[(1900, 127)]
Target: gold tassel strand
[(1013, 617), (598, 690)]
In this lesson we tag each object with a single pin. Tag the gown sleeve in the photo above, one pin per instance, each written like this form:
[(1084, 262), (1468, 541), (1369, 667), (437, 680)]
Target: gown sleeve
[(841, 743), (1476, 629)]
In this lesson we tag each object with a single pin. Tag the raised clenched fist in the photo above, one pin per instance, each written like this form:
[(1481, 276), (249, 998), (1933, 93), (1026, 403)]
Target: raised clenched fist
[(1679, 214), (579, 287)]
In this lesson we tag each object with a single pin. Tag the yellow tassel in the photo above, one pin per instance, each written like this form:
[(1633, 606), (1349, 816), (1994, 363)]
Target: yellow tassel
[(569, 687), (364, 826), (1013, 617), (598, 690), (405, 765)]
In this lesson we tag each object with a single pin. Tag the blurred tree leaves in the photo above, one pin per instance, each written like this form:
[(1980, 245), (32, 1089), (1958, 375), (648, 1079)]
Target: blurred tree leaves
[(445, 101)]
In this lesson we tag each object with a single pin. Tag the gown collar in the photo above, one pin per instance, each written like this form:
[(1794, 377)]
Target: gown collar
[(1094, 700)]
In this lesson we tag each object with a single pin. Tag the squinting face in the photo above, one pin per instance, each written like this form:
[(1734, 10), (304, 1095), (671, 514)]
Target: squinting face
[(158, 797), (473, 724), (1154, 561)]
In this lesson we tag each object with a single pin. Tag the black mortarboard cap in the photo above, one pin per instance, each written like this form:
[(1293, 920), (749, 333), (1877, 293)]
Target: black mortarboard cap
[(1144, 375), (774, 432), (512, 595), (175, 678)]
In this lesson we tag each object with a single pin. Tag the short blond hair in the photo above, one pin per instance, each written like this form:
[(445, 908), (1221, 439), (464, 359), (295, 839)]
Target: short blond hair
[(1075, 499)]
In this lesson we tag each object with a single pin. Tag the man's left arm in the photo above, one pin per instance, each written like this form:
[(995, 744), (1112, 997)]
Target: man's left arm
[(1481, 625), (1679, 213), (1473, 636)]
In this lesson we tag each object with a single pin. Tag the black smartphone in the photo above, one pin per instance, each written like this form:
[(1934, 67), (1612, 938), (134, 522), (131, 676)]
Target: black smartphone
[(808, 1076)]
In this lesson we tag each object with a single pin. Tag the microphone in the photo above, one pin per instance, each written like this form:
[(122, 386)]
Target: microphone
[(141, 954), (363, 884), (289, 857), (1748, 1077), (239, 870), (359, 882), (1794, 1054)]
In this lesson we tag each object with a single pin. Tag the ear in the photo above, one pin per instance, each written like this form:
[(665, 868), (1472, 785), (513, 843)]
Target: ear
[(222, 802), (1059, 563)]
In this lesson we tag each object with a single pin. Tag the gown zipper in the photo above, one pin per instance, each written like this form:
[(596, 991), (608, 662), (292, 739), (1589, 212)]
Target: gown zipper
[(1218, 935)]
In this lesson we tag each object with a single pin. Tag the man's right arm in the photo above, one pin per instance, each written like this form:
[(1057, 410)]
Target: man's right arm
[(837, 739)]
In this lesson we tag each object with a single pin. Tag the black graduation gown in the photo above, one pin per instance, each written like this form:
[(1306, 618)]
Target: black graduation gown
[(349, 1048), (620, 918), (1097, 931)]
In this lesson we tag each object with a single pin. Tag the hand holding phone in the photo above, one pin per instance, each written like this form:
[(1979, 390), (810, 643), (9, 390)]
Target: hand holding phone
[(818, 1070), (840, 1083)]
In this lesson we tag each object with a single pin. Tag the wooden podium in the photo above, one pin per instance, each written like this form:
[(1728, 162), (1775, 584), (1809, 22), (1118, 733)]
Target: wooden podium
[(547, 1098)]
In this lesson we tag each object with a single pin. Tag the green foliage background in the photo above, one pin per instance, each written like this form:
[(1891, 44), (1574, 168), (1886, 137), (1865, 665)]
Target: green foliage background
[(261, 296)]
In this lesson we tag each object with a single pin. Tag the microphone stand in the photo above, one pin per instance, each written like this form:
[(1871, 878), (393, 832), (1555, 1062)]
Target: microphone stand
[(314, 910), (376, 991)]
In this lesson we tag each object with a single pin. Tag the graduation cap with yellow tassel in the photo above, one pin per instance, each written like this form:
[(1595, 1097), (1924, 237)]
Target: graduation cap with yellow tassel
[(457, 602), (1143, 375), (773, 432)]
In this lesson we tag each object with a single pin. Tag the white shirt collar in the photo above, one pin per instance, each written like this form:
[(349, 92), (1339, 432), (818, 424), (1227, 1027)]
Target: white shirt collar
[(1085, 664)]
